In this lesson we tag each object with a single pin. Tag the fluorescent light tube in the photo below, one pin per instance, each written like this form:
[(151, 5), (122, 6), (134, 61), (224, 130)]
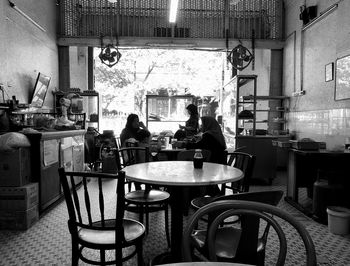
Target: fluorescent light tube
[(173, 10), (26, 16)]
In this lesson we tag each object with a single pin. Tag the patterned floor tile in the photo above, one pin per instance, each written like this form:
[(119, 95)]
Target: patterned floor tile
[(48, 241)]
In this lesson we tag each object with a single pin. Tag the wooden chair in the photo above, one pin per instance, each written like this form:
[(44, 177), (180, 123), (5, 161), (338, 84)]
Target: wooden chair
[(240, 160), (244, 162), (226, 236), (149, 199), (247, 239), (88, 223)]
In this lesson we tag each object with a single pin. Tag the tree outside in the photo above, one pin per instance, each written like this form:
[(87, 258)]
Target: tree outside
[(123, 87)]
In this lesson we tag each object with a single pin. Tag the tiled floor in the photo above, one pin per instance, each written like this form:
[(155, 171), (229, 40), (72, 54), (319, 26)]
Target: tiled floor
[(48, 241)]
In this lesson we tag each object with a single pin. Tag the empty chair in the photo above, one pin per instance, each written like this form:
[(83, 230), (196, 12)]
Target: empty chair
[(240, 160), (145, 200), (227, 236), (247, 237), (244, 162), (93, 225)]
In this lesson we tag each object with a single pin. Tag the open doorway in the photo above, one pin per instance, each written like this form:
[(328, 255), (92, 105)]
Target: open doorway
[(140, 72)]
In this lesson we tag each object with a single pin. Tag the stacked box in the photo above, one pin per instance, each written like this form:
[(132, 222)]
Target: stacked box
[(15, 168), (19, 207), (18, 220), (19, 198)]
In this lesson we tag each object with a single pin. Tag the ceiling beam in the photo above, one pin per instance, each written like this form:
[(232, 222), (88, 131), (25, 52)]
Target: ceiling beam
[(169, 43)]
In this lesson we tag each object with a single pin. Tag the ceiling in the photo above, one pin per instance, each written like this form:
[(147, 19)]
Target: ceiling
[(201, 24)]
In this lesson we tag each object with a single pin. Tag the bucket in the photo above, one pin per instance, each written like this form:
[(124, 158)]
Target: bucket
[(338, 220)]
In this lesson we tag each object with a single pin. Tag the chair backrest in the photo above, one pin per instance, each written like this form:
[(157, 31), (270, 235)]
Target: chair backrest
[(133, 155), (87, 207), (268, 213), (250, 225), (187, 155), (244, 162)]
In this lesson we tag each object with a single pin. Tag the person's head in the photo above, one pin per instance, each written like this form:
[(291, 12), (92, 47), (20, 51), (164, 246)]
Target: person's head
[(143, 136), (212, 127), (192, 109), (132, 122), (209, 123)]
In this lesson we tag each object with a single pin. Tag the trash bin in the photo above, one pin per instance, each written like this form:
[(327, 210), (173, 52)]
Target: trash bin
[(338, 220)]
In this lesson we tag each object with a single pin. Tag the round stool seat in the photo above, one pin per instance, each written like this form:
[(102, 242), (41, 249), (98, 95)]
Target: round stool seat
[(144, 197), (200, 202)]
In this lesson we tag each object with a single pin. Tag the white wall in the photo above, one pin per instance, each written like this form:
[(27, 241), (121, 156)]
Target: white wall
[(316, 114), (26, 50)]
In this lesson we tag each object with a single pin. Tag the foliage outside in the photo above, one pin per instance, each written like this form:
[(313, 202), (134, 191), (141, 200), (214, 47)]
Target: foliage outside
[(123, 88)]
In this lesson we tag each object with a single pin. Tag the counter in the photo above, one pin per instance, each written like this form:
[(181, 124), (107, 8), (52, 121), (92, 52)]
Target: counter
[(49, 151), (268, 157)]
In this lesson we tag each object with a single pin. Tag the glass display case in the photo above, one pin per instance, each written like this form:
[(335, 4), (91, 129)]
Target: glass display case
[(166, 112)]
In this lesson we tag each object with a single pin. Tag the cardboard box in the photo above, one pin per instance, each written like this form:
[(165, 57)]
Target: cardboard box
[(15, 168), (19, 220), (19, 198)]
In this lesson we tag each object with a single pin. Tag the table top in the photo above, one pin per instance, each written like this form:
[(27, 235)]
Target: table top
[(182, 173), (205, 264)]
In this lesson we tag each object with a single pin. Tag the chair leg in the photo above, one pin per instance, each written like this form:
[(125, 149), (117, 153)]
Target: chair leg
[(147, 218), (102, 256), (75, 253), (139, 252), (166, 221)]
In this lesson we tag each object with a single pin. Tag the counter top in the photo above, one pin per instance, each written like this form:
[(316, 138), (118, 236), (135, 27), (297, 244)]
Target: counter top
[(57, 133)]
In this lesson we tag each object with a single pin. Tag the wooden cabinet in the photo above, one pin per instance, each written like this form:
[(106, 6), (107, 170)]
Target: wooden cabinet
[(49, 151)]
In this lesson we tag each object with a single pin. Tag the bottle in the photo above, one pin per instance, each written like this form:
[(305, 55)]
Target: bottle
[(198, 159)]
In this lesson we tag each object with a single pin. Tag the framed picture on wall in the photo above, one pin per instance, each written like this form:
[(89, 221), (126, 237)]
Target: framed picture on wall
[(329, 72), (342, 78)]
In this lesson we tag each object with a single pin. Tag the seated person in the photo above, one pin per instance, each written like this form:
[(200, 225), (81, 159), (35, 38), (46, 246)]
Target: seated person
[(213, 140), (191, 126), (131, 128), (143, 137)]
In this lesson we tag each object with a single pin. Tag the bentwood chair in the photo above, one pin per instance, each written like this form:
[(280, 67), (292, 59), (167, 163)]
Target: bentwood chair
[(247, 238), (244, 162), (149, 199), (240, 160), (96, 218), (227, 235)]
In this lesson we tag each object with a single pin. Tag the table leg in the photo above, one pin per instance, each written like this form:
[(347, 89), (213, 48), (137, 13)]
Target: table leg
[(176, 203)]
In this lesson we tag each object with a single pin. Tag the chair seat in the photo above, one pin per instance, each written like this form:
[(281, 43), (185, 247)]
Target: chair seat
[(227, 240), (132, 230), (152, 196), (199, 202)]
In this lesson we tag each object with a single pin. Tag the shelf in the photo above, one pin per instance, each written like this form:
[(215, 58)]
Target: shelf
[(251, 97), (166, 121)]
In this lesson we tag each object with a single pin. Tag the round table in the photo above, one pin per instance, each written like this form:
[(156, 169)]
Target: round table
[(176, 175)]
